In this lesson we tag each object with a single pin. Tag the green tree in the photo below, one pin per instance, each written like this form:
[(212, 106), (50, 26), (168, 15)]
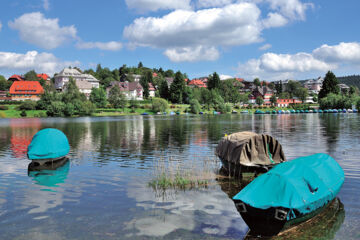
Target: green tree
[(273, 100), (4, 84), (98, 97), (116, 98), (229, 90), (72, 92), (279, 88), (292, 87), (259, 101), (144, 81), (159, 105), (214, 81), (354, 90), (257, 82), (195, 106), (164, 89), (31, 76), (330, 85), (140, 65), (56, 109), (177, 88), (271, 86), (302, 93), (69, 110)]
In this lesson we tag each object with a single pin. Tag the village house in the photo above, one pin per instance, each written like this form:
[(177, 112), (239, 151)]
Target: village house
[(264, 92), (314, 85), (197, 83), (16, 77), (44, 76), (26, 90), (287, 102), (64, 76), (344, 88), (4, 96), (151, 90), (132, 90)]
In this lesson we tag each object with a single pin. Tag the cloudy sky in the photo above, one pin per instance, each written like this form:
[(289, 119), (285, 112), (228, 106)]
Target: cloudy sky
[(270, 39)]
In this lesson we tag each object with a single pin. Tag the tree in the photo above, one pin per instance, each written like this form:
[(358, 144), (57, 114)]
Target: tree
[(259, 101), (31, 76), (159, 105), (116, 98), (4, 84), (72, 92), (354, 90), (229, 90), (140, 65), (271, 86), (195, 106), (330, 85), (292, 87), (273, 100), (177, 88), (98, 97), (214, 81), (302, 93), (164, 89), (278, 88), (257, 82), (144, 81)]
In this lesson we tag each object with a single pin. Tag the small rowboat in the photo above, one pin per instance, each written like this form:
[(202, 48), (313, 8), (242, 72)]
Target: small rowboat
[(48, 145), (289, 193)]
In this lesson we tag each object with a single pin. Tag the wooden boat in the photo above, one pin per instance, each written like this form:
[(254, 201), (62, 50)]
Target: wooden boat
[(289, 193), (48, 145)]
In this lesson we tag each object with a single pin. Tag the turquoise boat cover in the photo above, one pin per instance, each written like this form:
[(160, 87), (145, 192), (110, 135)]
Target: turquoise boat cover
[(304, 184), (48, 143)]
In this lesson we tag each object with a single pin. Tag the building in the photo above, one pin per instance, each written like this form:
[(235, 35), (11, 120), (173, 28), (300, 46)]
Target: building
[(314, 85), (16, 77), (287, 102), (152, 90), (43, 76), (264, 92), (24, 90), (344, 88), (134, 77), (169, 80), (64, 76), (132, 90), (197, 83), (4, 96), (84, 87)]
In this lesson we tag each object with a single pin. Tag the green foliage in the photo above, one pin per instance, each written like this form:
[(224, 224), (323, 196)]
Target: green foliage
[(229, 90), (177, 88), (273, 100), (353, 80), (31, 76), (278, 88), (159, 105), (72, 92), (86, 108), (3, 107), (354, 90), (116, 98), (69, 110), (358, 104), (292, 88), (330, 85), (27, 105), (302, 93), (195, 106), (257, 82), (164, 90), (56, 109), (140, 65), (144, 81), (259, 101), (214, 81), (4, 84), (98, 97), (335, 101), (23, 113)]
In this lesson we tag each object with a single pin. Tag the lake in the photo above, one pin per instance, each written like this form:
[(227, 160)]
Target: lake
[(103, 191)]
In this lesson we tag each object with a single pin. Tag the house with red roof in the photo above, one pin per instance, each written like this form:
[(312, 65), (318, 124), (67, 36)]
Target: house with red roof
[(24, 90), (152, 90), (16, 77), (43, 76), (287, 102), (197, 83), (264, 92)]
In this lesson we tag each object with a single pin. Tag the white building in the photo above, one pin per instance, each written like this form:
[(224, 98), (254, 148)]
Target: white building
[(63, 77), (314, 85)]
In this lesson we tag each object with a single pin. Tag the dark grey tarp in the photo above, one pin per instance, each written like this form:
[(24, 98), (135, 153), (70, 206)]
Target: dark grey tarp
[(249, 150)]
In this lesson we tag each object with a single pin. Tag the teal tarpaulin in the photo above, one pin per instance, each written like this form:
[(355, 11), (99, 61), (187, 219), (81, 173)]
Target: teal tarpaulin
[(304, 184), (48, 143)]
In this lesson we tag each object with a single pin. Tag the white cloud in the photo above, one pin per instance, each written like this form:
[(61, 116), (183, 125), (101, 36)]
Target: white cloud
[(178, 31), (108, 46), (224, 77), (265, 47), (292, 9), (274, 20), (192, 54), (46, 4), (0, 25), (348, 52), (155, 5), (41, 62), (44, 32), (213, 3)]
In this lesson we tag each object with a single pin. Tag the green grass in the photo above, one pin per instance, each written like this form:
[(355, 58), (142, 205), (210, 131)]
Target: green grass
[(13, 113), (164, 181)]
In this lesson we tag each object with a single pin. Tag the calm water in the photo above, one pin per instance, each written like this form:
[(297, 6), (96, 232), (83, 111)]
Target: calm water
[(103, 192)]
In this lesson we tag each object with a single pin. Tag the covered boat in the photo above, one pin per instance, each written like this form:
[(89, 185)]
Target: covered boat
[(48, 144), (248, 151), (289, 193)]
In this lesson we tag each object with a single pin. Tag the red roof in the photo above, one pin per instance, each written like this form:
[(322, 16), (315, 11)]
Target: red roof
[(151, 87), (155, 74), (16, 77), (239, 79), (43, 76), (26, 87), (197, 82)]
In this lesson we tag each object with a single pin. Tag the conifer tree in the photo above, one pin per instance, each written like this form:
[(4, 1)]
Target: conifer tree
[(330, 85)]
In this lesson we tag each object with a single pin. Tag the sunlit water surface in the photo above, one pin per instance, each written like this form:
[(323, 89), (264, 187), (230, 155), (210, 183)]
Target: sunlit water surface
[(103, 191)]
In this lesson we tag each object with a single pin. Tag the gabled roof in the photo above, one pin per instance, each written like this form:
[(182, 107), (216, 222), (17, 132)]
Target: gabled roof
[(83, 85), (197, 82), (126, 86), (26, 87), (151, 87), (43, 76), (16, 77)]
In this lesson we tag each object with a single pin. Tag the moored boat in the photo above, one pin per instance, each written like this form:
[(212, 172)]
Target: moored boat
[(48, 145), (289, 193)]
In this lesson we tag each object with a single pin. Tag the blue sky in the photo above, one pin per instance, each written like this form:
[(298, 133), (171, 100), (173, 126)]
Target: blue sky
[(270, 39)]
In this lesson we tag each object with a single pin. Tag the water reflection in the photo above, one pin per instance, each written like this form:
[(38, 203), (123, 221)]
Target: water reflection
[(331, 130), (51, 174)]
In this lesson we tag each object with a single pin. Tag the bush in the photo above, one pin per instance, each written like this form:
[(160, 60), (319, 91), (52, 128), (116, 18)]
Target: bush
[(23, 113), (27, 105), (335, 101), (56, 109), (69, 110), (228, 108), (2, 107), (42, 114), (358, 104), (159, 105), (195, 106), (87, 108)]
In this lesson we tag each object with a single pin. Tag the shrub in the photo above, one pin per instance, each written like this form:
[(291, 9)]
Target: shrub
[(228, 108), (69, 110), (56, 109), (2, 107), (27, 105), (221, 108), (195, 106), (23, 113), (42, 114), (159, 105), (87, 108)]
